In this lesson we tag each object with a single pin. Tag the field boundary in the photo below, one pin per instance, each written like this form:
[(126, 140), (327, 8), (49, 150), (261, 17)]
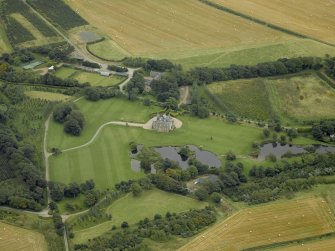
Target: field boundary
[(261, 22), (296, 241)]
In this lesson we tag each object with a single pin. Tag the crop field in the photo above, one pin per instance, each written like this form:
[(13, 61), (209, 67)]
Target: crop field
[(244, 97), (181, 28), (299, 97), (93, 78), (15, 238), (133, 209), (258, 54), (58, 13), (50, 96), (108, 49), (268, 224), (314, 18)]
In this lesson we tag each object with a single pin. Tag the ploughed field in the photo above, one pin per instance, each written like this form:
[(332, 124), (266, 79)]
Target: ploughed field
[(15, 238), (172, 28), (313, 18), (267, 224)]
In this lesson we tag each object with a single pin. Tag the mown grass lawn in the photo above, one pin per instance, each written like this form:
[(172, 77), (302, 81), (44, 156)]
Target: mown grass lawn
[(133, 209), (107, 159)]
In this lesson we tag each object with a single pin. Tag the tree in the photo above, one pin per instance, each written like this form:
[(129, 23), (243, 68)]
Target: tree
[(91, 198), (145, 165), (56, 191), (171, 103), (230, 156), (317, 132), (266, 133), (201, 194), (61, 112), (136, 189), (78, 116), (72, 126), (292, 133), (216, 197), (72, 190), (124, 224), (53, 206)]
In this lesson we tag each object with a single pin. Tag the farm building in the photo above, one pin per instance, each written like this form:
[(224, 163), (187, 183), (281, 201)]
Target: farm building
[(154, 75), (104, 73), (163, 123)]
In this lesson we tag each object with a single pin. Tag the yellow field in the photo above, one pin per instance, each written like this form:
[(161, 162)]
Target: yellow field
[(263, 225), (50, 96), (322, 245), (15, 238), (172, 28), (314, 18)]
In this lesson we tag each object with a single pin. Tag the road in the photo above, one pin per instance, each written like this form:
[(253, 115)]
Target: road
[(184, 93)]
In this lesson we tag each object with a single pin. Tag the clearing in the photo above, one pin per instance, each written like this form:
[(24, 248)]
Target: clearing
[(15, 238), (314, 18), (133, 209), (95, 79), (181, 28), (50, 96), (267, 224)]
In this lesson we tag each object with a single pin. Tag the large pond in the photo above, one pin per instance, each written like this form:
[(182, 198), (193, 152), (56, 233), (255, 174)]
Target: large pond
[(279, 150), (205, 157)]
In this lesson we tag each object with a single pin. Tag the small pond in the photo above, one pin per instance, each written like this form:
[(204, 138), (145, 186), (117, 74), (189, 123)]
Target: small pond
[(205, 157), (279, 150)]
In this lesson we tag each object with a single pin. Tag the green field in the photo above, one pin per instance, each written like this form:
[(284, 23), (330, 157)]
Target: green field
[(108, 49), (244, 97), (50, 96), (107, 159), (133, 209), (257, 54), (93, 78), (293, 98)]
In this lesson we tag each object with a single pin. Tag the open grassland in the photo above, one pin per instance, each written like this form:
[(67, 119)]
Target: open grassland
[(133, 209), (172, 28), (302, 97), (108, 50), (293, 98), (251, 55), (93, 78), (50, 96), (262, 225), (314, 18), (244, 97), (15, 238)]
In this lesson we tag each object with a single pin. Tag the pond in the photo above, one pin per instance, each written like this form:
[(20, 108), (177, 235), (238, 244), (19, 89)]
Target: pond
[(279, 150), (205, 157)]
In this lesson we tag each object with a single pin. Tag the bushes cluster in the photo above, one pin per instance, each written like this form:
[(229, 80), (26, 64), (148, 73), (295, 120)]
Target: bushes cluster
[(25, 187), (72, 119), (91, 64), (159, 229), (117, 68), (160, 65), (323, 129), (97, 93)]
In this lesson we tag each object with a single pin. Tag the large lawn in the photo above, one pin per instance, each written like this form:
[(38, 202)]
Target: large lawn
[(133, 209), (107, 159), (93, 78), (180, 28)]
